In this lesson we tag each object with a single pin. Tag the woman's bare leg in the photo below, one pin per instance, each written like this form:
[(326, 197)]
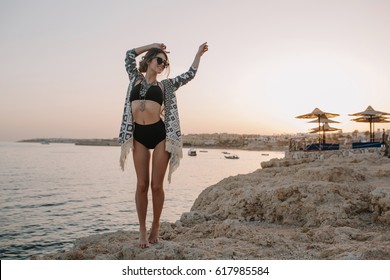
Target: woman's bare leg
[(159, 167), (141, 157)]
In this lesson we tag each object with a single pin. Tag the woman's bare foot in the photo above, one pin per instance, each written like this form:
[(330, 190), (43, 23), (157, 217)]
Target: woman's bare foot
[(154, 234), (143, 243)]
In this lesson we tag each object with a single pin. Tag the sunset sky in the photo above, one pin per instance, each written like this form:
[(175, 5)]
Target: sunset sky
[(62, 63)]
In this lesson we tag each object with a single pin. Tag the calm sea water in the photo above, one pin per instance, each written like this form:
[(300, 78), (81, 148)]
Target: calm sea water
[(52, 194)]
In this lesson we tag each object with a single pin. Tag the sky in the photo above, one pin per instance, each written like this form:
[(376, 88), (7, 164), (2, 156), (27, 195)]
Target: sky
[(62, 63)]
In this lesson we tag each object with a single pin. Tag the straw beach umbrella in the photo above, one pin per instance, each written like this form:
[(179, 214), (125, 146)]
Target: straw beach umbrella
[(370, 112), (324, 128), (372, 120), (318, 115), (371, 116)]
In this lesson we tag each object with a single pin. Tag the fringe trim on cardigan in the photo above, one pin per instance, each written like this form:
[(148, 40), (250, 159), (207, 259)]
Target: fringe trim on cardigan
[(176, 153), (125, 150)]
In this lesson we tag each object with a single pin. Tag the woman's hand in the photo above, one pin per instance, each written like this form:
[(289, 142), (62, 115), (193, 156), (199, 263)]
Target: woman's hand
[(148, 47), (203, 48), (160, 46)]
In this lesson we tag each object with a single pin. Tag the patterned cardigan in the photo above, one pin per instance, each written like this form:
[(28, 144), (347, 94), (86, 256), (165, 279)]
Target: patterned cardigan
[(173, 144)]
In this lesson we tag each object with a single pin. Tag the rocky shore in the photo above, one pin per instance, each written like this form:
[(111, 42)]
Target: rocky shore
[(329, 207)]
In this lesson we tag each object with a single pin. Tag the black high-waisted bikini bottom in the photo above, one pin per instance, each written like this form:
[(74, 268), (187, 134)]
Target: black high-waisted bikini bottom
[(151, 134)]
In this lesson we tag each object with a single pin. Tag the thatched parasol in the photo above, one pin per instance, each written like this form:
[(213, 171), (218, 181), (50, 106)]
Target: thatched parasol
[(318, 115), (323, 128), (371, 116)]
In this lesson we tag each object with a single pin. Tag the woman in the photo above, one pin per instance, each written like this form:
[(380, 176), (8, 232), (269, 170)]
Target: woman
[(143, 129)]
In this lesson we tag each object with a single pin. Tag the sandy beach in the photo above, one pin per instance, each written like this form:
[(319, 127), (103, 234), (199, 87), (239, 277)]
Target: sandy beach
[(323, 205)]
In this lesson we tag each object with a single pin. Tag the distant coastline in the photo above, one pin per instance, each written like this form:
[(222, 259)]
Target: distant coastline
[(252, 142), (86, 142), (204, 141)]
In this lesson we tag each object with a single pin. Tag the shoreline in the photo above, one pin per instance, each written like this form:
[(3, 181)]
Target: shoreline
[(114, 143), (326, 207)]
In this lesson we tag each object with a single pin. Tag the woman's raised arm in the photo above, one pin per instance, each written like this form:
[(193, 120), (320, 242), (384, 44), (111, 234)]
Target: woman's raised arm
[(202, 49), (190, 74)]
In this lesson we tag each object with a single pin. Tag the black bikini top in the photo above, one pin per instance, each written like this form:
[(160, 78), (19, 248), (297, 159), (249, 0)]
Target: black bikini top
[(154, 93)]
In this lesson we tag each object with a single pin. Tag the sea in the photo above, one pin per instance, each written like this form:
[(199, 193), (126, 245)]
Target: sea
[(52, 194)]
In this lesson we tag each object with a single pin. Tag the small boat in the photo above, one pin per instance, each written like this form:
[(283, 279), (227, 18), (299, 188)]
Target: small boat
[(232, 157), (192, 152), (265, 154)]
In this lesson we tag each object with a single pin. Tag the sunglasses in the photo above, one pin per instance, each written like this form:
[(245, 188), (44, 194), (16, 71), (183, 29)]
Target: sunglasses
[(162, 61)]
